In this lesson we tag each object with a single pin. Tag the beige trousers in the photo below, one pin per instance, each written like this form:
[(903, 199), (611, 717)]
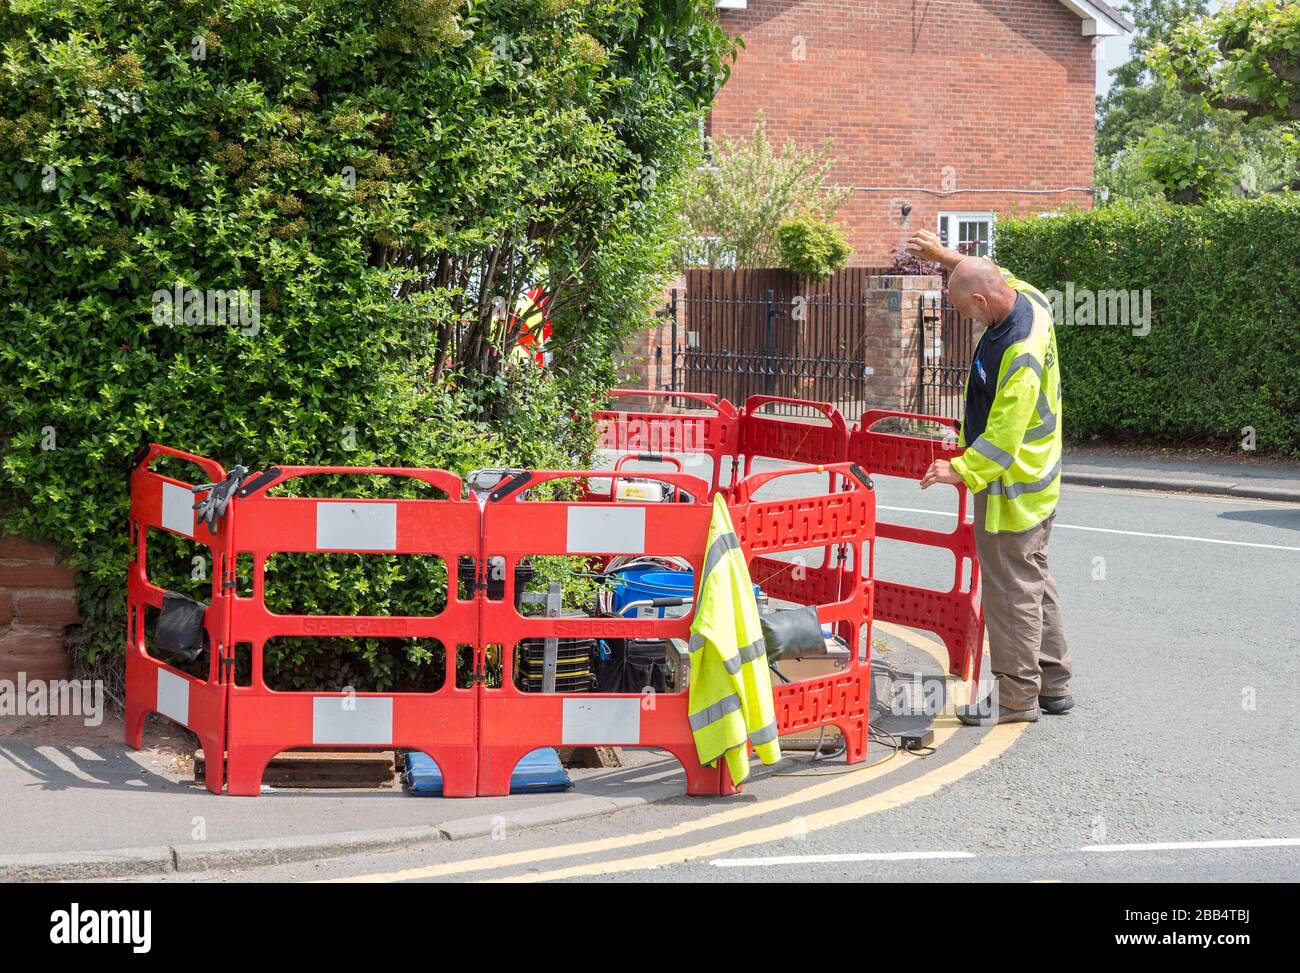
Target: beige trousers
[(1022, 613)]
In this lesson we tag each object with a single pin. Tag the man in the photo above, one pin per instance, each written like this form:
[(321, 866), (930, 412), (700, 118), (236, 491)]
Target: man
[(1011, 435)]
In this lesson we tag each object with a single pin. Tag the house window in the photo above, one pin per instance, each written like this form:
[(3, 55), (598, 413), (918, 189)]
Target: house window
[(967, 233)]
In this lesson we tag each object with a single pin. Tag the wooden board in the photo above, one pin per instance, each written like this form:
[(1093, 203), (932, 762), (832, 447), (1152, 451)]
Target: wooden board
[(323, 768)]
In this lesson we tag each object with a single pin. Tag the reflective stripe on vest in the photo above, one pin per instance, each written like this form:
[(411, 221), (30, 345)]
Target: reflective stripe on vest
[(730, 692), (1013, 490)]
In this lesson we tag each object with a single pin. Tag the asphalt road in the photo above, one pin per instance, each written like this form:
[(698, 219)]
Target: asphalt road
[(1183, 615)]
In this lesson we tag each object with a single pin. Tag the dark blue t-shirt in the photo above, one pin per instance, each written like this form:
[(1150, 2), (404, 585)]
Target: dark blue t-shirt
[(982, 382)]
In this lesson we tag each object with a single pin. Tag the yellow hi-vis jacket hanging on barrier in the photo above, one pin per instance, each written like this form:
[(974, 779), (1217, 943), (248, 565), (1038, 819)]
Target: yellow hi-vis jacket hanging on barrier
[(730, 697), (1012, 426)]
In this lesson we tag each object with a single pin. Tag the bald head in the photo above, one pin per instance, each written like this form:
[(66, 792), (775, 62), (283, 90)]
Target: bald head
[(977, 289)]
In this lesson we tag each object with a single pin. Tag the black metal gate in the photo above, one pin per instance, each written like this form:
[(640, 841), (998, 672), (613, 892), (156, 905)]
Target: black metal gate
[(766, 332)]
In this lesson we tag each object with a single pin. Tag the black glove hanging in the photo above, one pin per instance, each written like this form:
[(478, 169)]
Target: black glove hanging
[(212, 507)]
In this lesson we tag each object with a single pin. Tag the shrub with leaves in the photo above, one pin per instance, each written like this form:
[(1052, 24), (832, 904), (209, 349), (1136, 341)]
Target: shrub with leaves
[(296, 231), (1220, 361), (734, 206), (1187, 170), (811, 247)]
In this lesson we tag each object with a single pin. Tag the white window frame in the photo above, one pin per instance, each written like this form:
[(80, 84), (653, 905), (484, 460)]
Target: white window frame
[(954, 217)]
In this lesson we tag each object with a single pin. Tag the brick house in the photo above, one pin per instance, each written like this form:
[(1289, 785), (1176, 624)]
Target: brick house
[(964, 110)]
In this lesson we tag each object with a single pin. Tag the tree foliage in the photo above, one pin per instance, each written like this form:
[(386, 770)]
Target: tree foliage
[(385, 179), (735, 206), (1251, 157), (1185, 170), (1245, 58)]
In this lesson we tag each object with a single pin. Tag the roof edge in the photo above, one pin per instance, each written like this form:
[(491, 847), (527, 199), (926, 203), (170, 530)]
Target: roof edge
[(1100, 19)]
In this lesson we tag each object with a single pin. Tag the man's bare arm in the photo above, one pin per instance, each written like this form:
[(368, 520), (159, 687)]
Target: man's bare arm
[(928, 246)]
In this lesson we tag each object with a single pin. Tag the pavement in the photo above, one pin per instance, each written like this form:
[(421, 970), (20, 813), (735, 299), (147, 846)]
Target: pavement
[(1179, 762), (1241, 474), (80, 804)]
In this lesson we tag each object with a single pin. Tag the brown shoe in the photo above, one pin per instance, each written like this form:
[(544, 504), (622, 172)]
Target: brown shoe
[(984, 713), (1056, 705)]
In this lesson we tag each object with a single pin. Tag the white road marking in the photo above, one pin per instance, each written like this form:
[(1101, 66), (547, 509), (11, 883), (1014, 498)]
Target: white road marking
[(1112, 530), (898, 856), (882, 856), (1187, 845)]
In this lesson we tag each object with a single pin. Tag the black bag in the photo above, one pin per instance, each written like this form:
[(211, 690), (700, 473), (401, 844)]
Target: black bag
[(647, 666), (792, 632), (180, 627), (632, 666)]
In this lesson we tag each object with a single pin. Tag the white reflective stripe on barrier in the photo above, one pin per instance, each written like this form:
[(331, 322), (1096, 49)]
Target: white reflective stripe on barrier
[(606, 530), (602, 721), (352, 719), (173, 699), (356, 526), (178, 509)]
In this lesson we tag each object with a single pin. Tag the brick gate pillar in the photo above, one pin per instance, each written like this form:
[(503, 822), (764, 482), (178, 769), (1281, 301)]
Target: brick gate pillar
[(893, 346)]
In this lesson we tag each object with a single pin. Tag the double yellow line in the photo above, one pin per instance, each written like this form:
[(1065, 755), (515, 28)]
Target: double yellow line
[(991, 745)]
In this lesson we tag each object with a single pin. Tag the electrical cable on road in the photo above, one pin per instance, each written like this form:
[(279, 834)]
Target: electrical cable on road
[(875, 734)]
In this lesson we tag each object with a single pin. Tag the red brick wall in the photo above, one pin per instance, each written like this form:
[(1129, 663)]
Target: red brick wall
[(1001, 91), (647, 355), (37, 602)]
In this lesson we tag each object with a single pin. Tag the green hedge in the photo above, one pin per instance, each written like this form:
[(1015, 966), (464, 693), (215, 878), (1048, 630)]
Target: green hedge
[(1223, 350), (388, 176)]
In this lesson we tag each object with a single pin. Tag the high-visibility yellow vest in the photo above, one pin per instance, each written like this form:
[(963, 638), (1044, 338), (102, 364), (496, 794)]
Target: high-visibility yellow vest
[(730, 697), (1012, 428)]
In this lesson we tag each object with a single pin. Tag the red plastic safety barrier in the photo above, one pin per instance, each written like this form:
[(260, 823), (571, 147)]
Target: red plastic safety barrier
[(476, 733), (264, 722), (512, 722), (842, 522), (792, 440), (712, 431), (152, 685), (954, 615)]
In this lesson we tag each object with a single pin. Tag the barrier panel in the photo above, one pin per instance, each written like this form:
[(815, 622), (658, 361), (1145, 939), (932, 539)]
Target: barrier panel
[(153, 686), (714, 433), (512, 722), (264, 721), (954, 615), (792, 440), (477, 732), (842, 522)]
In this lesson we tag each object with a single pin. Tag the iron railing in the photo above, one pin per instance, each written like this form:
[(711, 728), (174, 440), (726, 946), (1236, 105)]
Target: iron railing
[(760, 332), (946, 347)]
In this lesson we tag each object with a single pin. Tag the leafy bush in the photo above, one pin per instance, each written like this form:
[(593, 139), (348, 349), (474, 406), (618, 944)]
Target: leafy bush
[(811, 247), (1187, 170), (734, 206), (1221, 356), (372, 186)]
